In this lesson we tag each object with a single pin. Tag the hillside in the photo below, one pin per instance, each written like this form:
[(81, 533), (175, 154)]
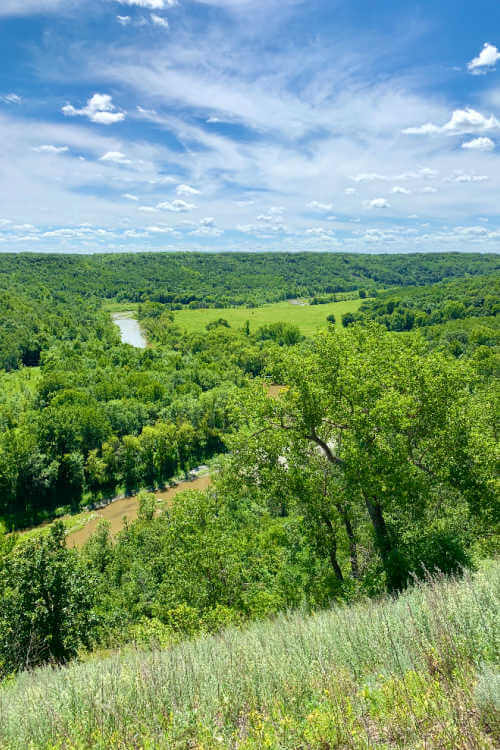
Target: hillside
[(418, 671)]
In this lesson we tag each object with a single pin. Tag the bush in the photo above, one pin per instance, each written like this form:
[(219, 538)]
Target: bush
[(46, 604)]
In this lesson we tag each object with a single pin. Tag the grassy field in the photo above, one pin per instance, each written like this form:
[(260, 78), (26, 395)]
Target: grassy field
[(414, 673), (309, 318)]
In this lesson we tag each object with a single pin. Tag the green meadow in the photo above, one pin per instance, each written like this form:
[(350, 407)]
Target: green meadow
[(309, 318)]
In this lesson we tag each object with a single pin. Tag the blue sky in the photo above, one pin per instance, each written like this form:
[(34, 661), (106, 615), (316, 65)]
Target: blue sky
[(132, 125)]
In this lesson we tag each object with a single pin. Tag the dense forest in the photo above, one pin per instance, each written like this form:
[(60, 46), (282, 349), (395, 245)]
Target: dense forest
[(46, 298), (373, 464)]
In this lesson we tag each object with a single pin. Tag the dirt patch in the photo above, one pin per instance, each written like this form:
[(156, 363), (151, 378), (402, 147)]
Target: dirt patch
[(274, 390), (128, 506)]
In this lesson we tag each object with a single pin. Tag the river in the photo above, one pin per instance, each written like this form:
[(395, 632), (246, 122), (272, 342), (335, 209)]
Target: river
[(130, 330)]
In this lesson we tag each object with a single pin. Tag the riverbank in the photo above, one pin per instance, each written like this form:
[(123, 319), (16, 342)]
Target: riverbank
[(127, 507)]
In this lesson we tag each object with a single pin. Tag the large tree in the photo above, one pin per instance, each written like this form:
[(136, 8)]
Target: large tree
[(374, 432)]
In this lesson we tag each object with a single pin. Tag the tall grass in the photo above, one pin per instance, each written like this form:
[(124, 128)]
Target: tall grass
[(398, 673)]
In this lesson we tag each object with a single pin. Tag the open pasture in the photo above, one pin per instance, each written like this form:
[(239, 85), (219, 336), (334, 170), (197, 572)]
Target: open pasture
[(309, 318)]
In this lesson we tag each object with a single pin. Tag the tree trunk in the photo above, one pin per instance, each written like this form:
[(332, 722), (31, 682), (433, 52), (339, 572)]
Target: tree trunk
[(384, 544), (332, 550), (353, 551)]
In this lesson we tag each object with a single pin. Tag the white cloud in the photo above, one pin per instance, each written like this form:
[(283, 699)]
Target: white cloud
[(322, 207), (150, 4), (350, 191), (135, 235), (369, 177), (176, 206), (148, 209), (426, 172), (462, 121), (378, 203), (11, 99), (99, 109), (48, 149), (116, 157), (319, 232), (400, 190), (207, 232), (160, 229), (486, 59), (479, 144), (428, 189), (159, 20), (186, 190), (25, 7), (123, 20), (208, 221), (130, 197), (459, 176)]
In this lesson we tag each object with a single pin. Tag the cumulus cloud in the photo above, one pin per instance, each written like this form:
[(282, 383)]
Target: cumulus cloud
[(159, 20), (116, 157), (485, 61), (322, 207), (378, 203), (186, 190), (462, 121), (48, 149), (99, 109), (177, 206), (479, 144), (400, 190), (123, 20), (11, 99), (208, 221)]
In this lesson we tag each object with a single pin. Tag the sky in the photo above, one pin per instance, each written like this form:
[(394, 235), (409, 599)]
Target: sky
[(251, 125)]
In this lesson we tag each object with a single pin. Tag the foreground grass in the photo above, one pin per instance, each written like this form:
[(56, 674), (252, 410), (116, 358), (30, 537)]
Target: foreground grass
[(416, 672), (309, 318)]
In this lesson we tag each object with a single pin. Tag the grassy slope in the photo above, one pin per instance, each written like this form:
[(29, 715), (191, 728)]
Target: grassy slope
[(417, 672), (309, 318)]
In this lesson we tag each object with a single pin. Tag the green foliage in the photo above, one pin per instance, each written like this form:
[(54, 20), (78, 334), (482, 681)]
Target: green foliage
[(404, 309), (147, 505), (46, 602), (373, 467), (376, 439), (487, 695), (216, 323), (216, 280), (284, 334)]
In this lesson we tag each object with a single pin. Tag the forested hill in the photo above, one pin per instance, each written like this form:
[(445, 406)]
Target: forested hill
[(231, 279)]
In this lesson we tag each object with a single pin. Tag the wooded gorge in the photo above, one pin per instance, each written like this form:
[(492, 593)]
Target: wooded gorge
[(372, 465)]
